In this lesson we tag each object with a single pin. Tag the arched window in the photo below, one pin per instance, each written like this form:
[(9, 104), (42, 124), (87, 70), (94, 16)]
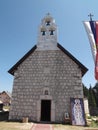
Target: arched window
[(48, 23), (51, 32), (43, 33)]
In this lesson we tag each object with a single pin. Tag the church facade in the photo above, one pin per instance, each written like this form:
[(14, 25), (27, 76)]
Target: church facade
[(45, 78)]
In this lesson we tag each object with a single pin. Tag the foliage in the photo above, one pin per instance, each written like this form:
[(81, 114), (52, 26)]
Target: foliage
[(91, 94), (94, 124), (6, 108), (91, 98), (96, 93), (85, 90)]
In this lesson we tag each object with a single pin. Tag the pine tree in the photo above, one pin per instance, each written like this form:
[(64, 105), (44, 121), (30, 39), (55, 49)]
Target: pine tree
[(91, 98), (95, 89), (85, 91)]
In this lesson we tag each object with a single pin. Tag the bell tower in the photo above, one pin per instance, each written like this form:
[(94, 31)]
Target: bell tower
[(47, 34)]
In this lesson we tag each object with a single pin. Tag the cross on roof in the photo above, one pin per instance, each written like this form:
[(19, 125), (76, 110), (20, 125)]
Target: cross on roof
[(90, 15), (48, 14)]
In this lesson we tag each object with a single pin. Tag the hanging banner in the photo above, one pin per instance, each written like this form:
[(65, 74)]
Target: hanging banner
[(77, 111)]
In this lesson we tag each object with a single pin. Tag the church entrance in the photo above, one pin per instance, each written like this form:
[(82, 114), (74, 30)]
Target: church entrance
[(45, 110)]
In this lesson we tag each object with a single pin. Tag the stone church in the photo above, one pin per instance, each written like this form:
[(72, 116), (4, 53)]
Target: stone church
[(45, 78)]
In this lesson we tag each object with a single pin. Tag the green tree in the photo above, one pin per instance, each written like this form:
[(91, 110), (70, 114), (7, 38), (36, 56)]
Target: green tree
[(91, 98), (95, 89), (85, 91)]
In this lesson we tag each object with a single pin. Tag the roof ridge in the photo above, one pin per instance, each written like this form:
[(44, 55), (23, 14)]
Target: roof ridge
[(83, 68)]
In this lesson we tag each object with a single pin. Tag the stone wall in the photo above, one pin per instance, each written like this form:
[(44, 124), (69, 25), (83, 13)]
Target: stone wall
[(51, 70)]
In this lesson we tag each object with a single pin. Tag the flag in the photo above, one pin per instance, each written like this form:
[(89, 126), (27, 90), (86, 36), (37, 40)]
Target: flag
[(96, 63), (91, 39), (92, 32)]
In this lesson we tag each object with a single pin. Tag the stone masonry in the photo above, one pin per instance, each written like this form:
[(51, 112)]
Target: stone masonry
[(48, 69), (45, 74)]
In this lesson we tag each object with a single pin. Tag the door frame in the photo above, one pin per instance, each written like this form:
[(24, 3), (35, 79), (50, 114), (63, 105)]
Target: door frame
[(46, 97)]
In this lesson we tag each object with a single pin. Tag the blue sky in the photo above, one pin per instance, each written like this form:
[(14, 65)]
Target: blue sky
[(19, 21)]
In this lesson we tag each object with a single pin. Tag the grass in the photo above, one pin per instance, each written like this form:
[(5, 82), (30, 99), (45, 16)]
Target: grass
[(94, 124), (92, 121)]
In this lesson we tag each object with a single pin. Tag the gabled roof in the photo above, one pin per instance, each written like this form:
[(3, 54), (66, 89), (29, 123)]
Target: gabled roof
[(7, 93), (11, 71), (82, 67)]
